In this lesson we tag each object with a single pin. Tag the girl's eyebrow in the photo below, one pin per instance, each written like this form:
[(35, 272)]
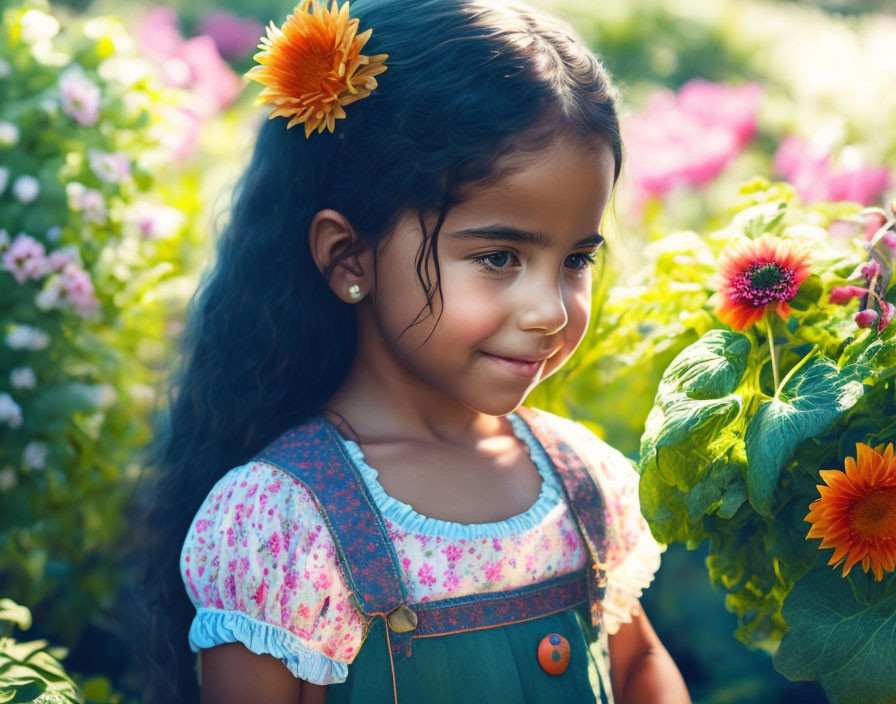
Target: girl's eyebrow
[(515, 234)]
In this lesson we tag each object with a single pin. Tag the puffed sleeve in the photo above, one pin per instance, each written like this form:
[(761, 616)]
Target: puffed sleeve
[(260, 567), (633, 555)]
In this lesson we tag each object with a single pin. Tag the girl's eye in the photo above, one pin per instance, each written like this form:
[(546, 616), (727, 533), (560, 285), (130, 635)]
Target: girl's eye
[(496, 261), (579, 261)]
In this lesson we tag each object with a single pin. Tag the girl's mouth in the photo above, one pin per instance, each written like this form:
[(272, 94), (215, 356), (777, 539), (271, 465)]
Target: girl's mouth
[(521, 367)]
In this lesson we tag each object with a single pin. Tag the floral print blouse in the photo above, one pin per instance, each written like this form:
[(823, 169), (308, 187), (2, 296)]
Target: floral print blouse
[(260, 566)]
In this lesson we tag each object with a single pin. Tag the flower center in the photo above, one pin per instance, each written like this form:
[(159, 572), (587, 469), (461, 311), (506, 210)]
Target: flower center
[(764, 283), (874, 516)]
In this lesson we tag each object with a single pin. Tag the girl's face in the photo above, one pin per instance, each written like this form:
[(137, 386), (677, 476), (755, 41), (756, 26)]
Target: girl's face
[(515, 264)]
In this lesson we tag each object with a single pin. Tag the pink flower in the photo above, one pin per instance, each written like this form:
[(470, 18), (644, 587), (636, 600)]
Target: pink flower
[(26, 259), (77, 290), (194, 63), (686, 139), (234, 36), (80, 98), (453, 553), (844, 294), (451, 581), (260, 593), (274, 545), (887, 310), (865, 318), (427, 579), (816, 175), (871, 269), (112, 168), (493, 570)]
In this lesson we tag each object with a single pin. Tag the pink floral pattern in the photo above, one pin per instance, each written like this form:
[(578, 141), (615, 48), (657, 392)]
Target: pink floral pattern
[(259, 546)]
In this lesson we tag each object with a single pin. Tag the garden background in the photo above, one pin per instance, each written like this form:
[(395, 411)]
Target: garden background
[(123, 127)]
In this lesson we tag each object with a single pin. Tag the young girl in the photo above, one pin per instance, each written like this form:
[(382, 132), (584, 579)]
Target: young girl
[(359, 506)]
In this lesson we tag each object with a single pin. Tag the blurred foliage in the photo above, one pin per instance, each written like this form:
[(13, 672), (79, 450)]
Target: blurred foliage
[(102, 235)]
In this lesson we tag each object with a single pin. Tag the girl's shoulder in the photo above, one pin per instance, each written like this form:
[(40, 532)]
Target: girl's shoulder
[(613, 470), (633, 555), (260, 568)]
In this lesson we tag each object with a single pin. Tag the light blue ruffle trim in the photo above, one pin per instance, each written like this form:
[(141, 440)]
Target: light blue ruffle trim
[(408, 519), (212, 627)]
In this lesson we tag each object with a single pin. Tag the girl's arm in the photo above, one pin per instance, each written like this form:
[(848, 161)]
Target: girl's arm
[(233, 674), (641, 669)]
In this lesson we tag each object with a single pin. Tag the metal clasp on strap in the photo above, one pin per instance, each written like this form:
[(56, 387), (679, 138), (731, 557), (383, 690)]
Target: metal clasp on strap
[(402, 619)]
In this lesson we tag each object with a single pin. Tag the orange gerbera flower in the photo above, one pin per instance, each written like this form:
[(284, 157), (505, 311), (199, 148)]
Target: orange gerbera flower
[(756, 274), (856, 514), (312, 66)]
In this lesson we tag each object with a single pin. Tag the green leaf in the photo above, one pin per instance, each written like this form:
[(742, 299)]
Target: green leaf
[(812, 399), (809, 293), (842, 632), (17, 614), (710, 368)]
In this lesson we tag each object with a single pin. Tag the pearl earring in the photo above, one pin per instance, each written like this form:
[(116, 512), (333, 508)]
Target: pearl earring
[(354, 291)]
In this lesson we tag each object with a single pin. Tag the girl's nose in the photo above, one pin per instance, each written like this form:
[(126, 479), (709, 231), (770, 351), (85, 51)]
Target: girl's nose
[(544, 309)]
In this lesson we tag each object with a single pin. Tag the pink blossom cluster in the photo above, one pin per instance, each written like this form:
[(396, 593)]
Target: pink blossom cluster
[(192, 64), (875, 310), (234, 36), (687, 138), (68, 284), (816, 175), (80, 97)]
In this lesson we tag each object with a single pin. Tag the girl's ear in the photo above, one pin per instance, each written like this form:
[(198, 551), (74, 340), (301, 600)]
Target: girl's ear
[(341, 255)]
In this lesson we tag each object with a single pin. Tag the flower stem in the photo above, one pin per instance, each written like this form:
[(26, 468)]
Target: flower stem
[(796, 368), (773, 350)]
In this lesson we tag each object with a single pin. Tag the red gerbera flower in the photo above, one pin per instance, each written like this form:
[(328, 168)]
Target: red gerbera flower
[(756, 274)]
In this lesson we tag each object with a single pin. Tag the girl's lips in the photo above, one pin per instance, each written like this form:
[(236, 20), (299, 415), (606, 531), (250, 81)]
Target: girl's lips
[(518, 366)]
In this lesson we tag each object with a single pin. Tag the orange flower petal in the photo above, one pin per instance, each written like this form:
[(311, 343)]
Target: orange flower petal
[(856, 514)]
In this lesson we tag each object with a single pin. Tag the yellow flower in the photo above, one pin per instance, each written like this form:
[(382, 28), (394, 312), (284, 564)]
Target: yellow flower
[(856, 514), (312, 66)]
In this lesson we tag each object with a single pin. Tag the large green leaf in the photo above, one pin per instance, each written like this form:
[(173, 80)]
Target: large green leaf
[(710, 368), (805, 407), (843, 632)]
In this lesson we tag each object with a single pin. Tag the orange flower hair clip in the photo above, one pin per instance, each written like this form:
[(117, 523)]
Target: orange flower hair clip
[(312, 66)]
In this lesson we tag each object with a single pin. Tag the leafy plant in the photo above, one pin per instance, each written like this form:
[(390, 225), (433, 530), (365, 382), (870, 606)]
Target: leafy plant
[(731, 452), (30, 672)]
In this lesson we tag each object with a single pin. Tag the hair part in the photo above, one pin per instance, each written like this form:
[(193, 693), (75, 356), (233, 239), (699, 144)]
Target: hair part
[(267, 343)]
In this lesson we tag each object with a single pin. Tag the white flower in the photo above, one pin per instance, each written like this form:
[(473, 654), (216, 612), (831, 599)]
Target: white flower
[(4, 179), (5, 68), (112, 168), (75, 192), (80, 97), (53, 233), (35, 455), (155, 221), (25, 189), (27, 337), (7, 479), (4, 239), (23, 378), (37, 26), (9, 134), (50, 295), (10, 411)]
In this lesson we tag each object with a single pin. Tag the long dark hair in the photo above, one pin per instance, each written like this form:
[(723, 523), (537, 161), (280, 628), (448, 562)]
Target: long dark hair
[(266, 342)]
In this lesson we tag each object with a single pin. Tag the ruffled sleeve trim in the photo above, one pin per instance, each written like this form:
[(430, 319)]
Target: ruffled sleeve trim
[(213, 627), (405, 517)]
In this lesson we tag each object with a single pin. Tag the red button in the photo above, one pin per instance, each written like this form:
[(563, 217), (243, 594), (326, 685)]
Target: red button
[(553, 654)]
